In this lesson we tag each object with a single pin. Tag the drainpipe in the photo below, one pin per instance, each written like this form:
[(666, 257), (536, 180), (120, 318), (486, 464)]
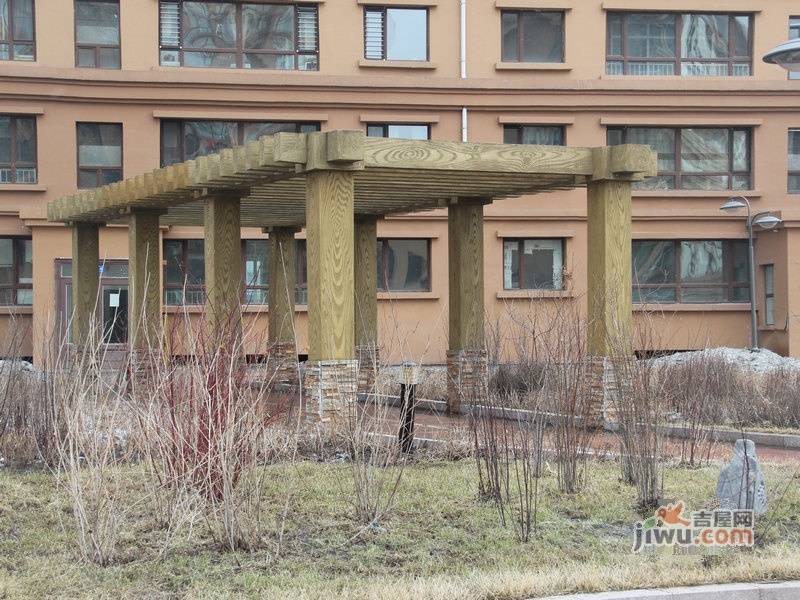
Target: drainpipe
[(464, 132)]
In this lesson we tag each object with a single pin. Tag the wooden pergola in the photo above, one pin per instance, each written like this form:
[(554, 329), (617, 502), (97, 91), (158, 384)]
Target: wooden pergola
[(336, 184)]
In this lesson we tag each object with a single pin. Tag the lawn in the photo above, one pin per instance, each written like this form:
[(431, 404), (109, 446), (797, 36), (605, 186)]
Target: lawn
[(440, 541)]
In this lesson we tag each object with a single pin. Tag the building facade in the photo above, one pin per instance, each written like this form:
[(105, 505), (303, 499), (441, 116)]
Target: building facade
[(92, 91)]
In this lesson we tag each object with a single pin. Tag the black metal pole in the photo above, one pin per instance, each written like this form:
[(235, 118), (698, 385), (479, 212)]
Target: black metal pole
[(408, 397)]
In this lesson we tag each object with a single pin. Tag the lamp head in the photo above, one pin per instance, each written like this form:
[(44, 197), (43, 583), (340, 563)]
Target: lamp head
[(767, 221), (786, 55), (732, 204)]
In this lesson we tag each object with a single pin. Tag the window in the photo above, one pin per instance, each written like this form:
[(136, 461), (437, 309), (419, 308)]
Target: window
[(99, 154), (239, 35), (395, 33), (545, 135), (769, 294), (400, 131), (97, 34), (17, 149), (690, 271), (533, 264), (697, 158), (404, 265), (184, 272), (533, 36), (794, 33), (17, 30), (703, 44), (794, 161), (255, 254), (16, 271), (186, 140)]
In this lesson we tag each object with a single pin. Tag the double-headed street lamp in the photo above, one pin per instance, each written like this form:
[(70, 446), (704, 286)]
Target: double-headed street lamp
[(764, 220)]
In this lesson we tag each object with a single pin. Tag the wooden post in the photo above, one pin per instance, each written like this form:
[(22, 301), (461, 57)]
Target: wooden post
[(85, 281), (366, 300), (609, 264), (330, 230), (223, 258), (466, 357), (282, 257), (144, 256)]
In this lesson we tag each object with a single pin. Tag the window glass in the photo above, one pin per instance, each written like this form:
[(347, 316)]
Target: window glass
[(408, 132), (651, 35), (17, 149), (533, 264), (209, 25), (510, 34), (268, 27), (184, 272), (403, 265), (704, 150), (99, 144), (704, 36), (256, 276), (208, 137), (545, 135), (794, 160), (97, 22), (769, 294), (6, 261), (406, 34), (533, 36), (653, 262)]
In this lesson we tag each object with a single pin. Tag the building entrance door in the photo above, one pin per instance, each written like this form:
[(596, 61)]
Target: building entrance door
[(113, 307)]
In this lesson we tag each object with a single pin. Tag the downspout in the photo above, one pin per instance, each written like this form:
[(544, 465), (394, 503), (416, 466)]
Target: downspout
[(464, 116)]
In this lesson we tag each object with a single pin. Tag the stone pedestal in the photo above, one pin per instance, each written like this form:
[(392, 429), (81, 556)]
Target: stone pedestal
[(368, 363), (284, 360), (467, 378), (329, 389)]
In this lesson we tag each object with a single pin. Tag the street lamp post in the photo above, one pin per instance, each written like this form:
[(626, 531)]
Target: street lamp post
[(765, 220), (786, 55)]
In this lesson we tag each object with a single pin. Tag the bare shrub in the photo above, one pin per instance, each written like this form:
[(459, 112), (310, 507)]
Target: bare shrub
[(777, 402)]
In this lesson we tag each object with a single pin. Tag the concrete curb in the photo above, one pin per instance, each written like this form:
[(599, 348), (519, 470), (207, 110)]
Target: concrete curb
[(789, 590)]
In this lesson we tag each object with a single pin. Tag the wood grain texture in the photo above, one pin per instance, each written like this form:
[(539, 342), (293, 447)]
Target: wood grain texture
[(223, 258), (330, 231), (85, 280), (366, 281), (609, 265), (144, 267), (282, 257), (465, 259)]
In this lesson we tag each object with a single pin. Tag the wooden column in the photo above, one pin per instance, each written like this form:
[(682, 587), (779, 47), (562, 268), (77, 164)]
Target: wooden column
[(466, 356), (330, 230), (609, 266), (366, 281), (85, 281), (223, 258), (282, 257), (144, 252)]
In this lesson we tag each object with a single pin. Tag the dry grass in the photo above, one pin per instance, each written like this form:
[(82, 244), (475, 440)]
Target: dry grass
[(439, 542)]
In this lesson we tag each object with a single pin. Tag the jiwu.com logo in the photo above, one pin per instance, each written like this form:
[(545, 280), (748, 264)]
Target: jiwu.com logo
[(670, 527)]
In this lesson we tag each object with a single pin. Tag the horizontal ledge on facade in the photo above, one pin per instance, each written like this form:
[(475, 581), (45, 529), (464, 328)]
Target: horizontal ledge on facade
[(534, 233), (680, 5), (428, 3), (240, 115), (537, 4), (656, 121), (531, 66), (246, 309), (529, 120), (383, 296), (22, 187), (21, 109), (398, 118), (670, 194), (672, 308), (535, 294), (15, 311), (397, 64)]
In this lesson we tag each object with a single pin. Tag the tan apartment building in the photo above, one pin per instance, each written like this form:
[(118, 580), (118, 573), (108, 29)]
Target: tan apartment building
[(92, 91)]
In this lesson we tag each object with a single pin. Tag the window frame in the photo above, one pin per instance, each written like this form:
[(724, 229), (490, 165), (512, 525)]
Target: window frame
[(13, 164), (183, 286), (518, 13), (384, 37), (384, 243), (678, 173), (239, 51), (678, 285), (520, 128), (769, 295), (789, 171), (16, 254), (246, 285), (520, 241), (12, 41), (679, 59), (385, 128), (240, 127), (99, 170), (97, 47)]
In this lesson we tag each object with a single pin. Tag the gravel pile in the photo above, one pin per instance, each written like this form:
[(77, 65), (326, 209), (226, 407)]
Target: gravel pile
[(760, 361)]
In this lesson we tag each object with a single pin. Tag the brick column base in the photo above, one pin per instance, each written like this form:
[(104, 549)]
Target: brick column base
[(368, 357), (329, 389), (467, 378), (284, 359)]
